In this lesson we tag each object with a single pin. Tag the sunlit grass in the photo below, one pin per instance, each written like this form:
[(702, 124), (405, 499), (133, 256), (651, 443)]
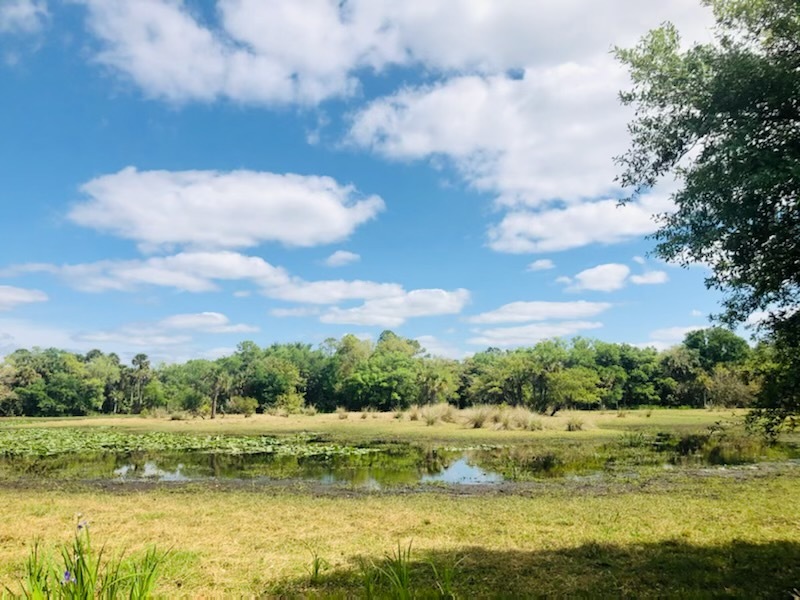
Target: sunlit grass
[(449, 425), (247, 542)]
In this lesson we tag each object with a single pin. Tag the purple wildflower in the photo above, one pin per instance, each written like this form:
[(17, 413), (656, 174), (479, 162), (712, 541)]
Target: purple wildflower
[(68, 578)]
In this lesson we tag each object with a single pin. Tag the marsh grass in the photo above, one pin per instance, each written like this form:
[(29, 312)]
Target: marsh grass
[(86, 573), (575, 424), (414, 413), (317, 566), (342, 413)]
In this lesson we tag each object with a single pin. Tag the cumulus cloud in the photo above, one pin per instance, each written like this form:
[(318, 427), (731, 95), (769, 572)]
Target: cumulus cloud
[(610, 277), (23, 16), (305, 51), (340, 258), (541, 265), (564, 228), (527, 335), (650, 278), (211, 209), (602, 278), (385, 303), (514, 137), (11, 297), (520, 312), (393, 311), (186, 271)]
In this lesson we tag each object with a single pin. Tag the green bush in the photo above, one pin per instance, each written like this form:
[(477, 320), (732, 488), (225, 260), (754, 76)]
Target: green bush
[(242, 405)]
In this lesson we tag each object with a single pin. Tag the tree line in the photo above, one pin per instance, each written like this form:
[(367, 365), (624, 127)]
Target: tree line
[(712, 366)]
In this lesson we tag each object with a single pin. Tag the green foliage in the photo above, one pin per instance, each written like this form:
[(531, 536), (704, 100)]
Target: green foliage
[(85, 573), (723, 117), (393, 375), (241, 405)]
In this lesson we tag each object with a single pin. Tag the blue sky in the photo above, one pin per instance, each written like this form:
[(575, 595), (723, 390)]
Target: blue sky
[(179, 176)]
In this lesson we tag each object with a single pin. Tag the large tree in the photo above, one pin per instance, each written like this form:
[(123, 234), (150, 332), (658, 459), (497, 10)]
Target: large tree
[(724, 119)]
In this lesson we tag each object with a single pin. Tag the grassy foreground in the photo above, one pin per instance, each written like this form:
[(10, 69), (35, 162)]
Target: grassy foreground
[(700, 533), (714, 537)]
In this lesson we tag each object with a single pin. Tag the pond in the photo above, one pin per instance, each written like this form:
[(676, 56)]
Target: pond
[(170, 458), (383, 467)]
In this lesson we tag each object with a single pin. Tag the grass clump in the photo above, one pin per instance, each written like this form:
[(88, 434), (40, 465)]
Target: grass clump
[(84, 573), (414, 413), (479, 416), (575, 424), (342, 413)]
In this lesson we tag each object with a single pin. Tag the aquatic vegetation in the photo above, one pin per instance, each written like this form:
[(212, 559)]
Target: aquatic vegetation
[(49, 442)]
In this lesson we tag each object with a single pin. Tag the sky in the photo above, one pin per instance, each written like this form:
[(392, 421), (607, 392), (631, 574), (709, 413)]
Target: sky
[(181, 175)]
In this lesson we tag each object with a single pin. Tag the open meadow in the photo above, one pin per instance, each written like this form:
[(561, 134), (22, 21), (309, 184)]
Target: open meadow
[(658, 503)]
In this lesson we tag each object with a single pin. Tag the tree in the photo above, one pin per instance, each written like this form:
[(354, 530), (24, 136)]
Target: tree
[(724, 118), (717, 346)]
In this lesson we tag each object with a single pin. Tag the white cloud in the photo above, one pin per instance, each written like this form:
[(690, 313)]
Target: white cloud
[(393, 311), (436, 347), (530, 334), (639, 260), (197, 272), (205, 322), (11, 297), (278, 52), (517, 138), (186, 271), (543, 264), (340, 258), (309, 50), (23, 16), (520, 312), (555, 229), (650, 278), (602, 278), (210, 209)]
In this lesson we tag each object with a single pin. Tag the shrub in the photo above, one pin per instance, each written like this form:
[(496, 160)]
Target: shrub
[(575, 424), (478, 416), (241, 405), (414, 413), (342, 412), (291, 402)]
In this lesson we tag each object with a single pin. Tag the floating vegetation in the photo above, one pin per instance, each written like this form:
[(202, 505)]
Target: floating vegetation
[(50, 442)]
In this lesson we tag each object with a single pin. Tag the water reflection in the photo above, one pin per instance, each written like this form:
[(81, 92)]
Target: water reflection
[(391, 466)]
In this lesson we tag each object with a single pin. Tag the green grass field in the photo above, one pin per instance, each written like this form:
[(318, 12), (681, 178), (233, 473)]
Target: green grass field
[(680, 532)]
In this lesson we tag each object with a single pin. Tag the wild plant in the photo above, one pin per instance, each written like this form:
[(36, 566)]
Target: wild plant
[(444, 576), (85, 574), (396, 570), (431, 415), (317, 566), (478, 416), (341, 411), (575, 424), (414, 413), (370, 576), (449, 414)]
